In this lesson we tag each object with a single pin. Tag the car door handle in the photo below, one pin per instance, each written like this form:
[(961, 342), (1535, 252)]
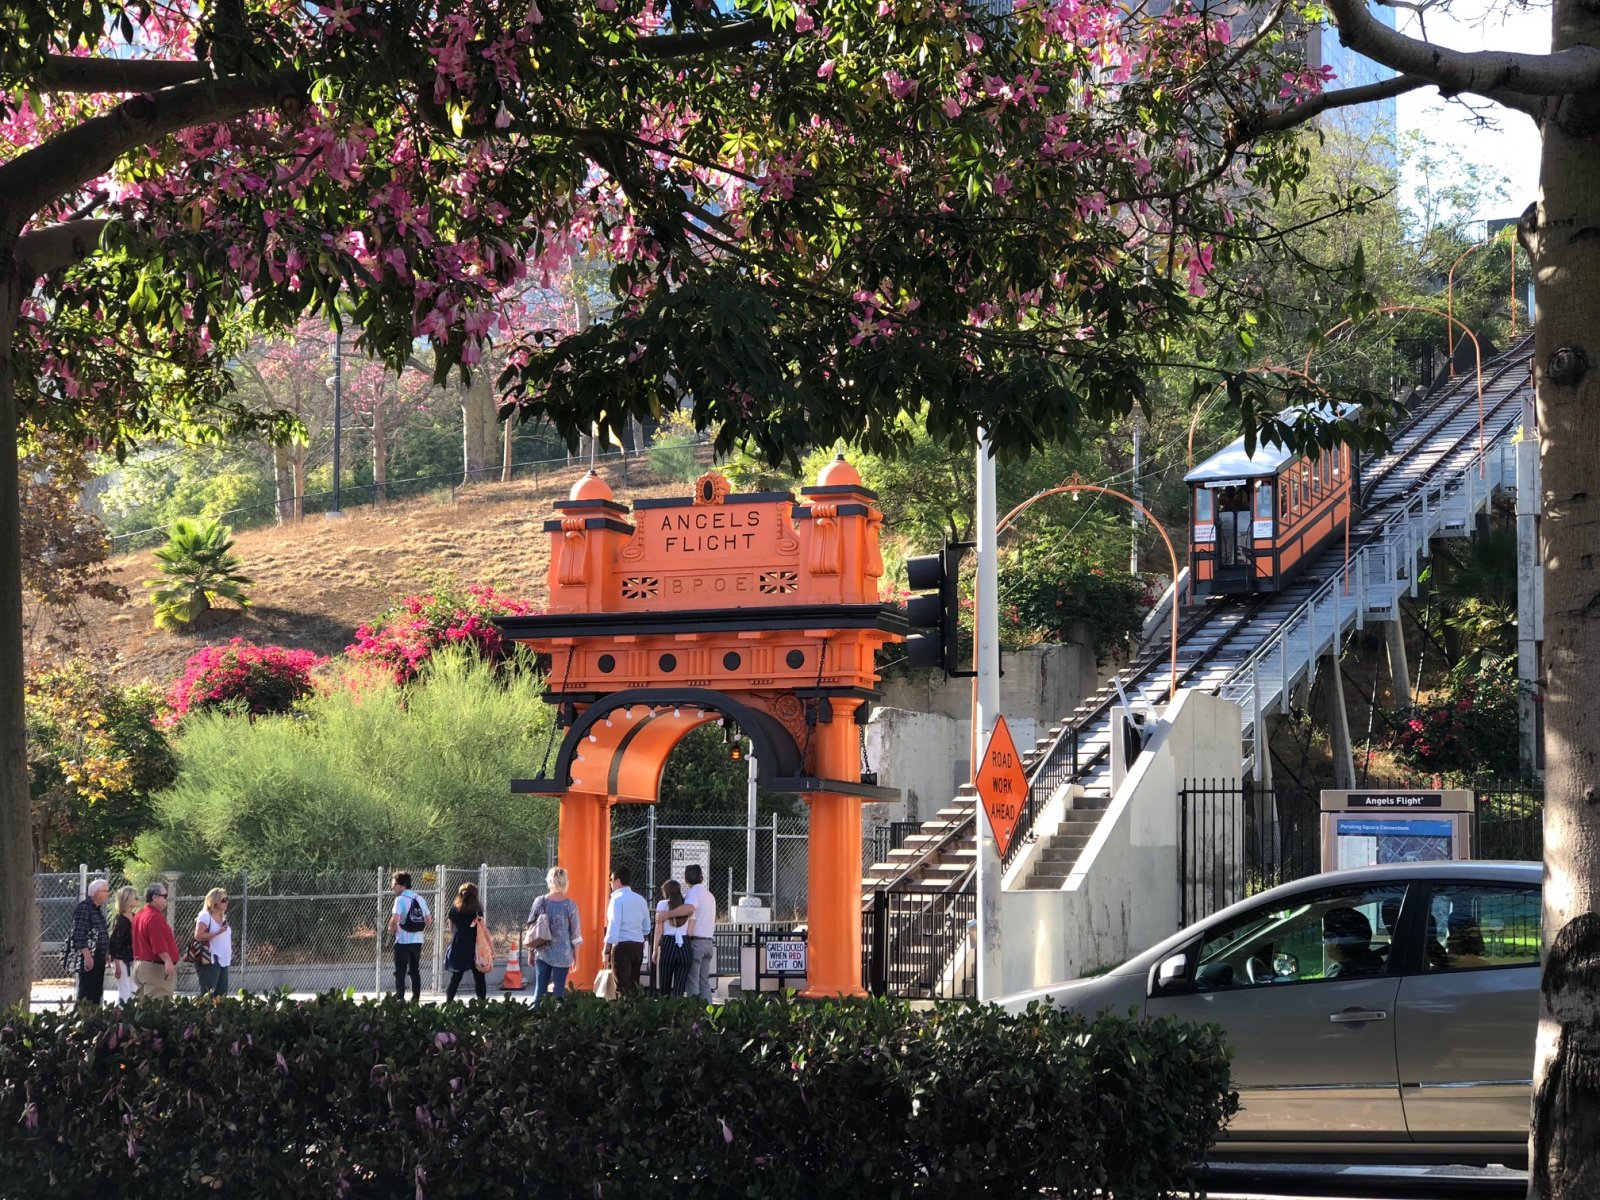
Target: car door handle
[(1355, 1015)]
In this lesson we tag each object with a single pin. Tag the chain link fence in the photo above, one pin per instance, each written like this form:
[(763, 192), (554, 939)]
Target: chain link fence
[(656, 846), (314, 931)]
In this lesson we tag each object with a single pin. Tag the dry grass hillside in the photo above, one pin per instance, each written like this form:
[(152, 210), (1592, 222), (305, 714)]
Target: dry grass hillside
[(316, 582)]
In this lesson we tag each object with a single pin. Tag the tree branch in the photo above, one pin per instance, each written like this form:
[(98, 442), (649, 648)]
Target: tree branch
[(1485, 72), (63, 73), (86, 151), (45, 251), (723, 37), (1298, 114)]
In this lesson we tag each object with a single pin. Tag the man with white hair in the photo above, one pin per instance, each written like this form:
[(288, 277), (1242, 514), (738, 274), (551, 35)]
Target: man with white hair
[(85, 951)]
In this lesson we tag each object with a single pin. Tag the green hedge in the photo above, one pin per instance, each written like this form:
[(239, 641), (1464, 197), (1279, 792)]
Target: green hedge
[(271, 1097)]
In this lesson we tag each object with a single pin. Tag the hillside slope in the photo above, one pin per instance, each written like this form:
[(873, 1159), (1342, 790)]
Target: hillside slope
[(316, 582)]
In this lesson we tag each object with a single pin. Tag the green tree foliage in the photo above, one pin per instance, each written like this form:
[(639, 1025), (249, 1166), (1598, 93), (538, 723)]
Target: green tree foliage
[(197, 567), (95, 757), (362, 776), (675, 451), (700, 776), (1050, 582), (1475, 583), (169, 483)]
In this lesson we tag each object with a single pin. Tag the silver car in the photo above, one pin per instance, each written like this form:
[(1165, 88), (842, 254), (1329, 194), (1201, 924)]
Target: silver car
[(1386, 1011)]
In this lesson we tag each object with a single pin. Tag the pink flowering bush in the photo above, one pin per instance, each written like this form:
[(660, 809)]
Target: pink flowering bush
[(405, 637), (261, 679), (1469, 726)]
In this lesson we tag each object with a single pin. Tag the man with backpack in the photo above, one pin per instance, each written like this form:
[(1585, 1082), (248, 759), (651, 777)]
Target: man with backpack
[(408, 922)]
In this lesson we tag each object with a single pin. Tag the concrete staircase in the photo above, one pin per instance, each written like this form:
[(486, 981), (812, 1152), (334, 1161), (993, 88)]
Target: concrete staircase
[(936, 858), (1060, 851)]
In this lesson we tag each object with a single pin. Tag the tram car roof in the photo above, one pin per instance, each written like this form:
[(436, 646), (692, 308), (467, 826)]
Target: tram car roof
[(1232, 463)]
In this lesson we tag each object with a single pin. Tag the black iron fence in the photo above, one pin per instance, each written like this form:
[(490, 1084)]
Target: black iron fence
[(1236, 839), (920, 945)]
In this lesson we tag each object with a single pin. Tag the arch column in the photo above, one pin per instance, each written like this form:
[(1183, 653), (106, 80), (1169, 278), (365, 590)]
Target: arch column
[(833, 916), (584, 849)]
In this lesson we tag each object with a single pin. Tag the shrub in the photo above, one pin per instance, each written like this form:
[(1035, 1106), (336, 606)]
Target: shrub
[(259, 679), (197, 567), (1470, 727), (95, 755), (1048, 584), (361, 777), (674, 454), (761, 1098), (404, 637)]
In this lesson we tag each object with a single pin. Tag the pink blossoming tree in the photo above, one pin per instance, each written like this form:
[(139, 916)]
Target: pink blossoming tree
[(823, 214)]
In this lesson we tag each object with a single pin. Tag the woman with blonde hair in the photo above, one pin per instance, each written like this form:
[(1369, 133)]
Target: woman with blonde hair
[(121, 947), (212, 931), (552, 959)]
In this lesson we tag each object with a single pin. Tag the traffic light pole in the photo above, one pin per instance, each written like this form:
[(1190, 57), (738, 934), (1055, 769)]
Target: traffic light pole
[(985, 710)]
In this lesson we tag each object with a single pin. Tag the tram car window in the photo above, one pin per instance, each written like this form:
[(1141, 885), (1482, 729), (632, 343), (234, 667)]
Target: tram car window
[(1242, 542)]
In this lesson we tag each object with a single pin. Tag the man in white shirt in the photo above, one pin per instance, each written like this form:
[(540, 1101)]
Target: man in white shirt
[(701, 907), (408, 923), (627, 925)]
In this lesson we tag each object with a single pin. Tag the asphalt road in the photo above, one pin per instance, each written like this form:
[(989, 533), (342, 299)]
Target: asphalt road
[(1227, 1181)]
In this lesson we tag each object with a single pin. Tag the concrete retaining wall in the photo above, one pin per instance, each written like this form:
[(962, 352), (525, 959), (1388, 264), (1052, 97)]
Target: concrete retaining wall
[(1123, 894)]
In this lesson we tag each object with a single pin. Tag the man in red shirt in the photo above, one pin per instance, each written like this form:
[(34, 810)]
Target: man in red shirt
[(155, 950)]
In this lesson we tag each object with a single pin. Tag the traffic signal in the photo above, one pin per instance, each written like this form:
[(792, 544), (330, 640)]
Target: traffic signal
[(938, 610)]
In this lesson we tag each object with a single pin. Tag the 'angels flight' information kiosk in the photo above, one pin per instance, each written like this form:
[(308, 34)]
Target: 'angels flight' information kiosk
[(1373, 826)]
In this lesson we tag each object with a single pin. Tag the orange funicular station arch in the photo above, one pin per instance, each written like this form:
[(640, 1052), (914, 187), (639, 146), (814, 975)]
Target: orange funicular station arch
[(756, 609)]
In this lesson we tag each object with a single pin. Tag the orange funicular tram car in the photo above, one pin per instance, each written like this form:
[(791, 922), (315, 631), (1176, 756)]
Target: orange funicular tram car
[(1257, 519)]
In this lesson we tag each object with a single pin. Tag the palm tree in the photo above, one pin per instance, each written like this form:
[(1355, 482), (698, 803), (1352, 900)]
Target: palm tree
[(197, 567), (1478, 591)]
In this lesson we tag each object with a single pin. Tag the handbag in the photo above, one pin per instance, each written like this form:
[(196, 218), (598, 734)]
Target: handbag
[(197, 953), (483, 951), (541, 935), (605, 984)]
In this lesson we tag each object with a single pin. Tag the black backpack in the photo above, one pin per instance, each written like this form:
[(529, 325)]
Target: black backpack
[(414, 921)]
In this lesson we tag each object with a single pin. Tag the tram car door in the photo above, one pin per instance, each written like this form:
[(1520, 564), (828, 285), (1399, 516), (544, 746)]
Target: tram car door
[(1235, 562)]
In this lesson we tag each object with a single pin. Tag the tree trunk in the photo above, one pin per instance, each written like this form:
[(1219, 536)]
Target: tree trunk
[(297, 460), (380, 457), (283, 479), (480, 429), (1563, 239), (505, 456), (18, 919)]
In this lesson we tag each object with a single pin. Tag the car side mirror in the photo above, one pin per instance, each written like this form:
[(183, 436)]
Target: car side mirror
[(1285, 966), (1170, 973)]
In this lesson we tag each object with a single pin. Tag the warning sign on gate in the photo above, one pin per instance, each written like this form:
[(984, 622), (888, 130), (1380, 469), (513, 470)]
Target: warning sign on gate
[(1002, 785)]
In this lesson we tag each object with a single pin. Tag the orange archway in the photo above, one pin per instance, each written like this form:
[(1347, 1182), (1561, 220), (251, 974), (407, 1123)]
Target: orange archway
[(755, 609)]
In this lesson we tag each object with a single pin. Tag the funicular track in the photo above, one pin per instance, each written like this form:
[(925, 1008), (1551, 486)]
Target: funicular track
[(1438, 458)]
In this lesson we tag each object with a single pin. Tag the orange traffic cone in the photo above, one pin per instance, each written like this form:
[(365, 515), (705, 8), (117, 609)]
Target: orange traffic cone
[(512, 981)]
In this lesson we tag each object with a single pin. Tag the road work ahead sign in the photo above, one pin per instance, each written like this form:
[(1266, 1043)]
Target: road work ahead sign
[(1001, 785)]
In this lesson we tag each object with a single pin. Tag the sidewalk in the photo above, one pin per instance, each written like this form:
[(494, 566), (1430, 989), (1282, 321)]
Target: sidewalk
[(47, 996)]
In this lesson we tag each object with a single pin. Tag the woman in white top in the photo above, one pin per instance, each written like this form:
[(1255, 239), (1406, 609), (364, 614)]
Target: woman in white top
[(211, 929), (670, 954)]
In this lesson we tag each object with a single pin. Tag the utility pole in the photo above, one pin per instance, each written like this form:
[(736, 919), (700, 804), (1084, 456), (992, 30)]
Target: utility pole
[(985, 711)]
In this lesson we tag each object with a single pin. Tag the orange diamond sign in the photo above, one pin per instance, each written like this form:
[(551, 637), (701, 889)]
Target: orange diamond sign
[(1001, 785)]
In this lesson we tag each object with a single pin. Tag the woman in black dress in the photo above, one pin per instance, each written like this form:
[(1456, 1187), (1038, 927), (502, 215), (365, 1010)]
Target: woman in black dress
[(465, 914)]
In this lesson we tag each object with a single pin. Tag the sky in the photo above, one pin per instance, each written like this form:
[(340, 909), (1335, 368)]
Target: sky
[(1513, 149)]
